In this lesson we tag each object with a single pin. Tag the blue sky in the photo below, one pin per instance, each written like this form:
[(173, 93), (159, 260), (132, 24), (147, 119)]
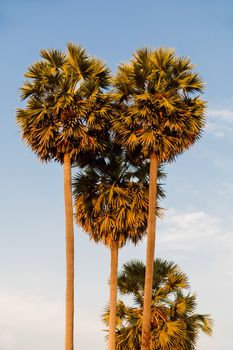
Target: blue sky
[(196, 231)]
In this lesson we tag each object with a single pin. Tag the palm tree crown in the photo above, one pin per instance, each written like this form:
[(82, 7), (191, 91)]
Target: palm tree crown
[(111, 197), (174, 323), (65, 107), (163, 114)]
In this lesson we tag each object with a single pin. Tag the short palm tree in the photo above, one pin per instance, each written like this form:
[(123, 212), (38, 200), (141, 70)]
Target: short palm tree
[(174, 323), (111, 202), (64, 114), (163, 118)]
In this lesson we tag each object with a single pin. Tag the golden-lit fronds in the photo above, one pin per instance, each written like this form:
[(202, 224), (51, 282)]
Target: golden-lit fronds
[(90, 72), (174, 323), (111, 198), (162, 112), (112, 213), (66, 108), (78, 61), (54, 59)]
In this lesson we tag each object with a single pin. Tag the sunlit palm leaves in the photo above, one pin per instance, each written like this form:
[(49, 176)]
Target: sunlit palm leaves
[(163, 114), (111, 198), (174, 323), (65, 106)]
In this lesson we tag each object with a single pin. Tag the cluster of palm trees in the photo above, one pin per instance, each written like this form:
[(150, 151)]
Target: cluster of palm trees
[(118, 131)]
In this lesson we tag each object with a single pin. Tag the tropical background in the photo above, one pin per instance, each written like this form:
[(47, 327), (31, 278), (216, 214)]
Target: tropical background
[(196, 229)]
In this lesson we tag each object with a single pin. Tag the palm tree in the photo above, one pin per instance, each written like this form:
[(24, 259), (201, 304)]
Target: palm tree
[(163, 118), (111, 202), (64, 115), (174, 323)]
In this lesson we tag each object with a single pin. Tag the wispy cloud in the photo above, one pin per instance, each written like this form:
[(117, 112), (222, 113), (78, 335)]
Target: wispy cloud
[(190, 231), (220, 121)]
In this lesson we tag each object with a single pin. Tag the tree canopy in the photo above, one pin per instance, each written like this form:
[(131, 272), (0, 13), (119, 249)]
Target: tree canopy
[(65, 108), (174, 323)]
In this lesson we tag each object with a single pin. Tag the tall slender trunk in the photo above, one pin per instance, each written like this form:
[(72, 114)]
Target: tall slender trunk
[(69, 325), (113, 297), (150, 252)]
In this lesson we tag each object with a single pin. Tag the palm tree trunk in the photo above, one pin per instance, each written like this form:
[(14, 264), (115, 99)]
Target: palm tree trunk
[(113, 296), (69, 255), (150, 252)]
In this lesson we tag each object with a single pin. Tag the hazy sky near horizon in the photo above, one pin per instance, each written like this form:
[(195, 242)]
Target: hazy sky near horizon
[(196, 231)]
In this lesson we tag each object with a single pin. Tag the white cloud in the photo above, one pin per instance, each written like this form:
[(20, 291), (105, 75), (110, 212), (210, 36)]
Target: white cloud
[(220, 122), (224, 114), (190, 231)]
